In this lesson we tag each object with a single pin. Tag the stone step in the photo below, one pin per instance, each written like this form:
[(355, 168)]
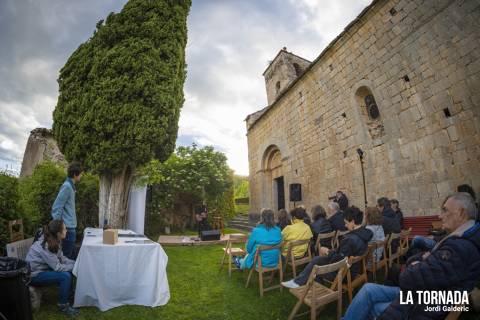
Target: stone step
[(243, 227)]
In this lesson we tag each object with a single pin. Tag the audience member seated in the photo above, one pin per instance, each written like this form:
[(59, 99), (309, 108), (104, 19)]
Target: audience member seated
[(398, 211), (320, 225), (298, 230), (391, 222), (335, 217), (342, 200), (306, 218), (453, 264), (50, 267), (354, 243), (284, 219), (374, 221), (265, 233), (468, 189)]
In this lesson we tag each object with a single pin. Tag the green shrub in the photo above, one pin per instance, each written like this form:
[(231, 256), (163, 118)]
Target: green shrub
[(86, 201), (9, 207), (39, 191), (37, 194)]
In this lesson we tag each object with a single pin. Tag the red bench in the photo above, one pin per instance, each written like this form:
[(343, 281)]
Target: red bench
[(421, 225)]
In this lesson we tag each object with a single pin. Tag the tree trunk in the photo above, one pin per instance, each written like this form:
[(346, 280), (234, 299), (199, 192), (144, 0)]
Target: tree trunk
[(114, 198)]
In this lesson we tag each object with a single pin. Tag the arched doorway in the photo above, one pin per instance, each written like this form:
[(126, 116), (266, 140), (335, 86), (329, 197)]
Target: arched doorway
[(274, 181)]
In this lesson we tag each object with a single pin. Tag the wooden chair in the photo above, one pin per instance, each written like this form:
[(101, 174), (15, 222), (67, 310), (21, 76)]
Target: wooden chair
[(258, 267), (15, 229), (316, 295), (338, 235), (404, 243), (391, 256), (321, 236), (361, 277), (231, 251), (380, 264), (295, 262)]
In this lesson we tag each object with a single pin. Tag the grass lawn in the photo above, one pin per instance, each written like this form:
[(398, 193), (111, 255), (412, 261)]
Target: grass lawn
[(199, 291)]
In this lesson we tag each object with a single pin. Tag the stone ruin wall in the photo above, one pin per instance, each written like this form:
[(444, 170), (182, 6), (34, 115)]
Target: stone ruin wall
[(420, 155), (41, 146)]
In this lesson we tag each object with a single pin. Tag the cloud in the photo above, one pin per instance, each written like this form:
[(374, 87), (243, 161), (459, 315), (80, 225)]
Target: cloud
[(229, 46)]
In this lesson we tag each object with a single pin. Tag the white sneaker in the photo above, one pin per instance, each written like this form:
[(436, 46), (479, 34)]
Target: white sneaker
[(290, 284)]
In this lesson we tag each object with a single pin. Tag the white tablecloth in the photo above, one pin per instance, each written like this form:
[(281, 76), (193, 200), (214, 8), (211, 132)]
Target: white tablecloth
[(109, 276)]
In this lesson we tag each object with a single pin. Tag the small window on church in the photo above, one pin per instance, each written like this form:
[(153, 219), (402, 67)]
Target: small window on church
[(298, 70), (372, 108), (277, 86)]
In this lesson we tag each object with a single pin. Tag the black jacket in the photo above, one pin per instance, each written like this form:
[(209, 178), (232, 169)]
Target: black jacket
[(342, 202), (321, 226), (354, 243), (391, 224), (391, 221), (336, 221), (454, 265)]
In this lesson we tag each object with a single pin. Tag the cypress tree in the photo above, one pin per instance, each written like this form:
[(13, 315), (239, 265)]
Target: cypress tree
[(120, 95)]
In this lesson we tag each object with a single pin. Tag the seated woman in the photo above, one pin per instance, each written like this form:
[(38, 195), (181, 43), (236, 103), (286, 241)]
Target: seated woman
[(320, 225), (49, 266), (398, 211), (354, 243), (374, 220), (284, 219), (267, 234), (298, 230)]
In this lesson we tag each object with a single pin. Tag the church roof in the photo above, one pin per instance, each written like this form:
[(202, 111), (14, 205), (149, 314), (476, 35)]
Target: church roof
[(284, 50), (320, 56)]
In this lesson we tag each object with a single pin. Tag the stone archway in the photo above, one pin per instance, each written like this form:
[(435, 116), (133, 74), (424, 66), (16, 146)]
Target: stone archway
[(274, 182)]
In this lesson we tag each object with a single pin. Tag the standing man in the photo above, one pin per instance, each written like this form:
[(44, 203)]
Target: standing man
[(64, 209)]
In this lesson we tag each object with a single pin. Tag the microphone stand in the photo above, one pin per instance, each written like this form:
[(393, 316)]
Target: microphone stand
[(360, 155)]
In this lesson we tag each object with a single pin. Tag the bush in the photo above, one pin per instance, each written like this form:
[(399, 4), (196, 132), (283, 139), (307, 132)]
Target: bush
[(86, 202), (37, 194), (9, 207), (39, 191)]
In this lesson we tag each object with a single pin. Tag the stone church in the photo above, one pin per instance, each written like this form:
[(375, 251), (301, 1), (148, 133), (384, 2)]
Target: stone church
[(400, 85)]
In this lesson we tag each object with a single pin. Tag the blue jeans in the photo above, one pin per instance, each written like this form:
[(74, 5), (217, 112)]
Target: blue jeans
[(68, 244), (48, 278), (371, 301), (302, 278), (423, 243)]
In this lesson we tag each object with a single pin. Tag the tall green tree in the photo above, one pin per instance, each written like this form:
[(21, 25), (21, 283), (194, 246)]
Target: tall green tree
[(120, 97)]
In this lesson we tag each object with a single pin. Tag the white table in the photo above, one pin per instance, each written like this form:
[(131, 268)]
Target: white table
[(127, 273)]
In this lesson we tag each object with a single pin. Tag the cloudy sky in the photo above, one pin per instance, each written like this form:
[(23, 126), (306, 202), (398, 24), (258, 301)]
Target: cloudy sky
[(230, 43)]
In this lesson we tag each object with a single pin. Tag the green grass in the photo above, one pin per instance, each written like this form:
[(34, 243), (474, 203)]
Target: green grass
[(195, 232), (200, 291)]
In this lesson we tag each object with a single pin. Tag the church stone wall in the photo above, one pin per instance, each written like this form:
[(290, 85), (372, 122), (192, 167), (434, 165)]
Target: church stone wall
[(429, 140)]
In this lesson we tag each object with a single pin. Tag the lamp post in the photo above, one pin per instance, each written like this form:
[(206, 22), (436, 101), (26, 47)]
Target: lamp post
[(360, 156)]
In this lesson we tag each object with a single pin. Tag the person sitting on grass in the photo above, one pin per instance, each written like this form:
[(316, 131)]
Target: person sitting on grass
[(50, 267), (354, 243), (266, 233), (452, 265), (298, 230)]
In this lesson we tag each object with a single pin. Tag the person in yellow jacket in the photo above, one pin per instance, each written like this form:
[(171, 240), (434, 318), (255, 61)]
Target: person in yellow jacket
[(298, 230)]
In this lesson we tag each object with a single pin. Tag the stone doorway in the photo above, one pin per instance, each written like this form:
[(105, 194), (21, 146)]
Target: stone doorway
[(280, 192), (274, 182)]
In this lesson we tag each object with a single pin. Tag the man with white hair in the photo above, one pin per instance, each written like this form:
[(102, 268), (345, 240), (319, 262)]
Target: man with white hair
[(335, 217), (452, 265)]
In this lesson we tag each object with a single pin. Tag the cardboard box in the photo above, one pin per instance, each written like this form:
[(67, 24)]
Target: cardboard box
[(110, 236)]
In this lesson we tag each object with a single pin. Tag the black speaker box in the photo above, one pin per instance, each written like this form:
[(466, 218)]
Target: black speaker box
[(210, 235), (295, 192)]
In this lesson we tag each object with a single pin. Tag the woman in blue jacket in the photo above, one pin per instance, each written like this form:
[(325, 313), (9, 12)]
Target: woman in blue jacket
[(266, 233)]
